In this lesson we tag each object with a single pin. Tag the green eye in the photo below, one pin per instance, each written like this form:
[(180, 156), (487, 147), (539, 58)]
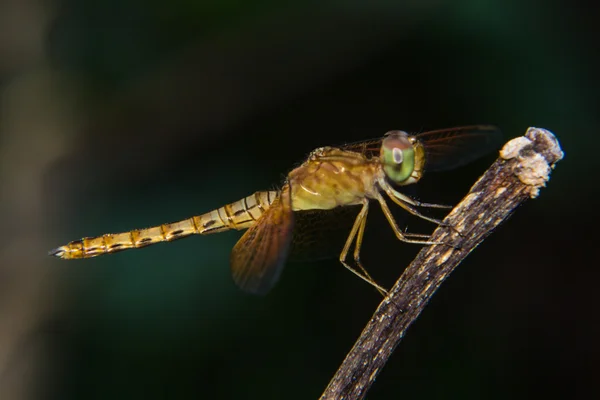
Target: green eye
[(397, 156)]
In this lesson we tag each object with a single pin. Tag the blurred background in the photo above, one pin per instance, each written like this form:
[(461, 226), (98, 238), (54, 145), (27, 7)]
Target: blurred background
[(124, 114)]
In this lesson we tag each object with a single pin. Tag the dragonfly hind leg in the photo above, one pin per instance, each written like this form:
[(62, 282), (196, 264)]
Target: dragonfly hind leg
[(358, 230), (357, 247)]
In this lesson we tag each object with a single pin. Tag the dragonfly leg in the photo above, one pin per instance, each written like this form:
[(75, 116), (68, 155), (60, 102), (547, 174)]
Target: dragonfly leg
[(355, 229), (416, 235), (432, 205), (402, 197), (404, 201), (399, 234), (357, 247)]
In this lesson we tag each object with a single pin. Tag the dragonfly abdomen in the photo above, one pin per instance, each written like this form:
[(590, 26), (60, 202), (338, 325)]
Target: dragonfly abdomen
[(238, 215)]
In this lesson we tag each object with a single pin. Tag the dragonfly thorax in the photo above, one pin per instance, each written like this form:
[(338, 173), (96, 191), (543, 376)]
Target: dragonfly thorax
[(332, 177)]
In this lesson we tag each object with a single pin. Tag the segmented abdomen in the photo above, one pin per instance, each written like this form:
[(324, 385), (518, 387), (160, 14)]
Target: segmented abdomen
[(238, 215)]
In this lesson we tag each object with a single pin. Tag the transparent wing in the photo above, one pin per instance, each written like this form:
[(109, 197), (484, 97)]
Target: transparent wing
[(368, 148), (321, 234), (445, 148), (451, 148), (257, 259)]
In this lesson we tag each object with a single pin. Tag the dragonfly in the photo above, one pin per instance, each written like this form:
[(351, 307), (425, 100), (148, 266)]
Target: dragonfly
[(330, 180)]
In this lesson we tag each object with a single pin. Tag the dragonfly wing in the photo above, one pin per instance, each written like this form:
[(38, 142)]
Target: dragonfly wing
[(450, 148), (257, 259), (445, 148), (368, 148), (321, 234)]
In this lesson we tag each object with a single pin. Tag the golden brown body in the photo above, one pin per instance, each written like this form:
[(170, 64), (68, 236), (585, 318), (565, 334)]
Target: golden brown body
[(330, 177), (238, 215)]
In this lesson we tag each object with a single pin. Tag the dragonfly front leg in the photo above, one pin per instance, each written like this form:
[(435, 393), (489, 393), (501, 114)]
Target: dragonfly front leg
[(402, 197), (359, 227), (404, 201), (399, 234)]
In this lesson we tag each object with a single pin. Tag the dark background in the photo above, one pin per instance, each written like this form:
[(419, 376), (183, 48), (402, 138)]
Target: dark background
[(124, 114)]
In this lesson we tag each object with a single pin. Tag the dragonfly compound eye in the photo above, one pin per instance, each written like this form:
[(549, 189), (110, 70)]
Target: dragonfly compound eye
[(397, 156)]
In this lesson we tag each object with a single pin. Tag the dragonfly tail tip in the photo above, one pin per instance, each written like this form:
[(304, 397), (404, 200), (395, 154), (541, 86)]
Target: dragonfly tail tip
[(58, 252)]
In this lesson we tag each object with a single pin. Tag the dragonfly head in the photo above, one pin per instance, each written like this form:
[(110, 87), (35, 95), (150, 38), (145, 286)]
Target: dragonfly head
[(402, 157)]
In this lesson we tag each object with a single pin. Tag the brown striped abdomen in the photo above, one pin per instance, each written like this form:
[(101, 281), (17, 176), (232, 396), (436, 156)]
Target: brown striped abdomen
[(238, 215)]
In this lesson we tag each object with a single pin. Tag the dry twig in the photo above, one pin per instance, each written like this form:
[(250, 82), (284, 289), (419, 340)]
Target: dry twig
[(523, 168)]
